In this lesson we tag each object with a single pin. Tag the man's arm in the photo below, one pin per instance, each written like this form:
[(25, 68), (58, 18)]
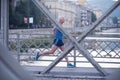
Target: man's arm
[(53, 31)]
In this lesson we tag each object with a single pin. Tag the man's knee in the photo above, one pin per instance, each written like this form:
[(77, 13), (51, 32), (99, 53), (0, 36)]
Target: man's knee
[(52, 51)]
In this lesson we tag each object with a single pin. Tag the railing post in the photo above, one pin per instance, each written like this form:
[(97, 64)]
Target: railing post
[(75, 57), (4, 21), (18, 47)]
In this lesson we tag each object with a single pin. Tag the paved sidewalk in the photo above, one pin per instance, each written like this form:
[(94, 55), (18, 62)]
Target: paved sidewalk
[(63, 73)]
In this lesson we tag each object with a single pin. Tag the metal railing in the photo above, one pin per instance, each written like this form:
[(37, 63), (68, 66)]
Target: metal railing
[(103, 50)]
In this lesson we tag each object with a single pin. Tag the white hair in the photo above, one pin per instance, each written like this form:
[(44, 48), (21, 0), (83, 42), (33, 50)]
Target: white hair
[(59, 17)]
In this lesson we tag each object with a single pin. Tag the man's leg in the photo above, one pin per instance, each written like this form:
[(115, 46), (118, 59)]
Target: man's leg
[(53, 49), (66, 58)]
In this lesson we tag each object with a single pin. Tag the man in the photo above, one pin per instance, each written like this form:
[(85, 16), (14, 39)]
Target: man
[(57, 43)]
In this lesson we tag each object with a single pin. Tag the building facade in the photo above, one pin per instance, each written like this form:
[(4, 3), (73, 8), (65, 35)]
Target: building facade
[(76, 14), (86, 13), (66, 9)]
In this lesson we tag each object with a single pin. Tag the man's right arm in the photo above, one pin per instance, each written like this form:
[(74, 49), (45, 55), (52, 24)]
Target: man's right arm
[(53, 31)]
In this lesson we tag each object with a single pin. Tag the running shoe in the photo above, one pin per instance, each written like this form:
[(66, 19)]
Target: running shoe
[(70, 65), (37, 56)]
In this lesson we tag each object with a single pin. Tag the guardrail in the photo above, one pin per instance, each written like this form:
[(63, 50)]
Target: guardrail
[(106, 51)]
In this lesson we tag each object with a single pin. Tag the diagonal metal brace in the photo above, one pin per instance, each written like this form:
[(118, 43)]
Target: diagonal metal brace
[(85, 53)]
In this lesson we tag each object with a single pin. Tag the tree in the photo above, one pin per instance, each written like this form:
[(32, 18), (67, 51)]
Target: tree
[(26, 8), (93, 17), (115, 20)]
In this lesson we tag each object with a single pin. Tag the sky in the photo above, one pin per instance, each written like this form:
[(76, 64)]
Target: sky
[(104, 5)]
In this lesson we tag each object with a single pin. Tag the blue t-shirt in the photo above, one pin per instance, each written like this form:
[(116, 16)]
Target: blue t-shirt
[(58, 34)]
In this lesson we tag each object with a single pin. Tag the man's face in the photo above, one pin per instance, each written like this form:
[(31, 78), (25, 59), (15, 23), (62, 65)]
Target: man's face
[(62, 20)]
